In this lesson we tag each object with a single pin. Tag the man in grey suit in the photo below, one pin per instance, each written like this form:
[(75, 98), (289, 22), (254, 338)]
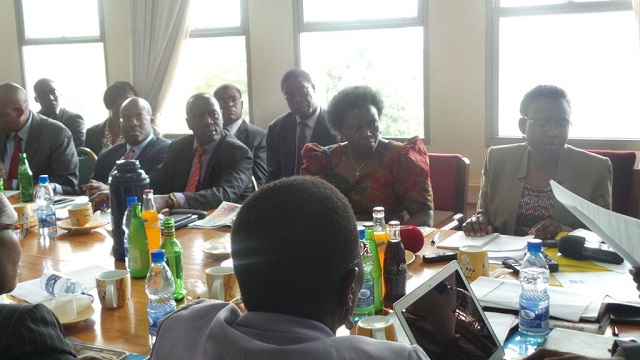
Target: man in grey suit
[(47, 95), (26, 331), (47, 143), (229, 97), (305, 123), (206, 168)]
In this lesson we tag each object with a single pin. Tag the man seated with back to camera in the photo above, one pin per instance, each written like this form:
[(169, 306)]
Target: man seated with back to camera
[(140, 144), (205, 168), (298, 261)]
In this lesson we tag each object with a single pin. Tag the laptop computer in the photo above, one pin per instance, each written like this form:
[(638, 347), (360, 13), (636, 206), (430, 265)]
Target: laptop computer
[(445, 319)]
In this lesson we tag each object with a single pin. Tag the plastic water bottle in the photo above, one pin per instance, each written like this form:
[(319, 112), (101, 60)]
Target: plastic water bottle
[(45, 211), (126, 220), (364, 304), (54, 284), (159, 288), (534, 298)]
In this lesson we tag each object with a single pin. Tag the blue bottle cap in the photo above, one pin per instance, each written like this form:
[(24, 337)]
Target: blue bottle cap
[(43, 179), (131, 200), (361, 232), (534, 245), (157, 255)]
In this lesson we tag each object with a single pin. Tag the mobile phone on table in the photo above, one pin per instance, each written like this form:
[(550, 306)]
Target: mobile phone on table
[(511, 263), (62, 200), (431, 258)]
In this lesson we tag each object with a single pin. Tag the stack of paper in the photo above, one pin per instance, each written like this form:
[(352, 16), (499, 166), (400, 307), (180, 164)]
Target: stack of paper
[(223, 216)]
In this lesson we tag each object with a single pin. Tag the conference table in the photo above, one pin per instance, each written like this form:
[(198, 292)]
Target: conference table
[(127, 328)]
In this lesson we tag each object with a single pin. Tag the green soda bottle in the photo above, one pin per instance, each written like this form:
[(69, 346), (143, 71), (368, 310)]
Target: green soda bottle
[(173, 252), (376, 269), (138, 245), (25, 179)]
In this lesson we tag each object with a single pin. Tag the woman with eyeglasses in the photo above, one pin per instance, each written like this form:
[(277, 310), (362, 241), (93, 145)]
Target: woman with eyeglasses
[(369, 170), (515, 193)]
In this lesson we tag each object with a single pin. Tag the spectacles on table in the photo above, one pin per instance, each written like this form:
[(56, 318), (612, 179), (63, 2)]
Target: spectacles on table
[(546, 125), (20, 230)]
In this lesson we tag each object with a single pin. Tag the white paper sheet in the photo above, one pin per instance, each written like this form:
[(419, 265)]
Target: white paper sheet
[(501, 324), (619, 231)]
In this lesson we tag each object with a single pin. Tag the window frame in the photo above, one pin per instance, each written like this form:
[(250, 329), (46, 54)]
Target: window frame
[(299, 26), (23, 41), (242, 30), (493, 14)]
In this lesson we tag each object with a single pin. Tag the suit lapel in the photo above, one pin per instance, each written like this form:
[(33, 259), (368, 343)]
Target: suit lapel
[(243, 132), (33, 137), (146, 150)]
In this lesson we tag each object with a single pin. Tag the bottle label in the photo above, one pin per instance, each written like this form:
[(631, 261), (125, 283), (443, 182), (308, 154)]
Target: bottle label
[(534, 317), (50, 283), (134, 259), (47, 220), (365, 298)]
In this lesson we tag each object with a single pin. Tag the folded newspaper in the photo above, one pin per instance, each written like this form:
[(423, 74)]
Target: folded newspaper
[(224, 215)]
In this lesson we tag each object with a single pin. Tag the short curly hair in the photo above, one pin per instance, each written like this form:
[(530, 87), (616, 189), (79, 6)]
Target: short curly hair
[(117, 91), (542, 92), (353, 97)]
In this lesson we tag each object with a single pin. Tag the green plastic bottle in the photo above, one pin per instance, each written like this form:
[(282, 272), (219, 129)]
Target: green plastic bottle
[(376, 269), (173, 252), (25, 179), (138, 245)]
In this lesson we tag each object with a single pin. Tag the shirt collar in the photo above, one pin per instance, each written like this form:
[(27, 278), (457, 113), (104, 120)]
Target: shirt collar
[(233, 127), (138, 148), (311, 121), (25, 129)]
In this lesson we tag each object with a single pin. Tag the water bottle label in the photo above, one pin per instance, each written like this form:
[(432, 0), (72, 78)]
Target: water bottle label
[(365, 297), (153, 325), (50, 283), (48, 220), (534, 317)]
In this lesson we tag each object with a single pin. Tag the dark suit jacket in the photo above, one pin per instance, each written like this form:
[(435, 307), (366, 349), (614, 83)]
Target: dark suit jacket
[(255, 139), (32, 332), (281, 143), (227, 175), (149, 158), (50, 151), (93, 140), (74, 122)]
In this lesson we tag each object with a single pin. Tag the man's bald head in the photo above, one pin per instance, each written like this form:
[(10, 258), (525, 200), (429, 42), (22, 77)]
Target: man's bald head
[(136, 118), (14, 107)]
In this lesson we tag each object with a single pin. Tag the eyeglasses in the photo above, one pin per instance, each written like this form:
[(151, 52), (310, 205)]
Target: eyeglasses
[(129, 121), (229, 100), (297, 93), (364, 250), (546, 125), (20, 230), (204, 117)]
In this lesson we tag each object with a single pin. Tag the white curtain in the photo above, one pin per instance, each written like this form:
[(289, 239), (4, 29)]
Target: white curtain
[(158, 30), (636, 11)]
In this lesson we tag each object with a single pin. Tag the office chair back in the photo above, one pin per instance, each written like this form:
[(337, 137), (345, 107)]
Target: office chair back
[(86, 164), (449, 175), (622, 163)]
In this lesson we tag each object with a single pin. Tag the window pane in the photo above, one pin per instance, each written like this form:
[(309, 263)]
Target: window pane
[(596, 64), (201, 69), (207, 14), (48, 19), (325, 10), (375, 58), (79, 73)]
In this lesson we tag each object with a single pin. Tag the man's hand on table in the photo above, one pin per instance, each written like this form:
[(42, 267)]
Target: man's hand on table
[(94, 187)]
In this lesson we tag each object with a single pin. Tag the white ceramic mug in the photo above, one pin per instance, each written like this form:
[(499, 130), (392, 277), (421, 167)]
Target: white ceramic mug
[(114, 288), (222, 283)]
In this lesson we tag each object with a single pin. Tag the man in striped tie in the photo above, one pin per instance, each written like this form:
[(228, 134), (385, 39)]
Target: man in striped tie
[(205, 168)]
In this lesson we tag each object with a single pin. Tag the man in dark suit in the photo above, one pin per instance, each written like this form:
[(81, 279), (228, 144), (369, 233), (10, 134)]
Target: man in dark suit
[(305, 123), (26, 331), (47, 96), (204, 169), (230, 99), (140, 144), (47, 143)]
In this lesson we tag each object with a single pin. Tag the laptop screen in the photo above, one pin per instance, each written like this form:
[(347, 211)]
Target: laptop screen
[(444, 318)]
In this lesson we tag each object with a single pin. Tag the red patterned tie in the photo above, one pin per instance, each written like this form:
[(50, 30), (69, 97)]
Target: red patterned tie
[(302, 139), (129, 154), (15, 160), (192, 185)]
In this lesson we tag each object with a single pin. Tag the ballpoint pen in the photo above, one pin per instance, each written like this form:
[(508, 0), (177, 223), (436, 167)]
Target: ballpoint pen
[(435, 239)]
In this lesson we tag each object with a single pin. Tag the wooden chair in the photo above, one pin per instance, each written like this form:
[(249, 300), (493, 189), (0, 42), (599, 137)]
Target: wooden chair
[(622, 186), (86, 164), (449, 175)]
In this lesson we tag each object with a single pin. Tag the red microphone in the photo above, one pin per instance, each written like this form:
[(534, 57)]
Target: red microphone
[(412, 238)]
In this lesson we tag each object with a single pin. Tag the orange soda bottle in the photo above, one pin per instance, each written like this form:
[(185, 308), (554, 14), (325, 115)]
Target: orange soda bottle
[(381, 235), (151, 221)]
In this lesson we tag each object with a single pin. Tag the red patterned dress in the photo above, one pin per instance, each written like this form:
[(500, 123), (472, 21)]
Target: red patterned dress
[(400, 184)]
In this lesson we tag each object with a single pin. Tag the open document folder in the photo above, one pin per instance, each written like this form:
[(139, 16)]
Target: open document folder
[(619, 231)]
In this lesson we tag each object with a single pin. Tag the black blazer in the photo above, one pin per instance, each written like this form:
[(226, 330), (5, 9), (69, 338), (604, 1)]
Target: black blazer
[(149, 158), (256, 140), (49, 150), (32, 332), (74, 122), (93, 139), (227, 175), (281, 143)]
